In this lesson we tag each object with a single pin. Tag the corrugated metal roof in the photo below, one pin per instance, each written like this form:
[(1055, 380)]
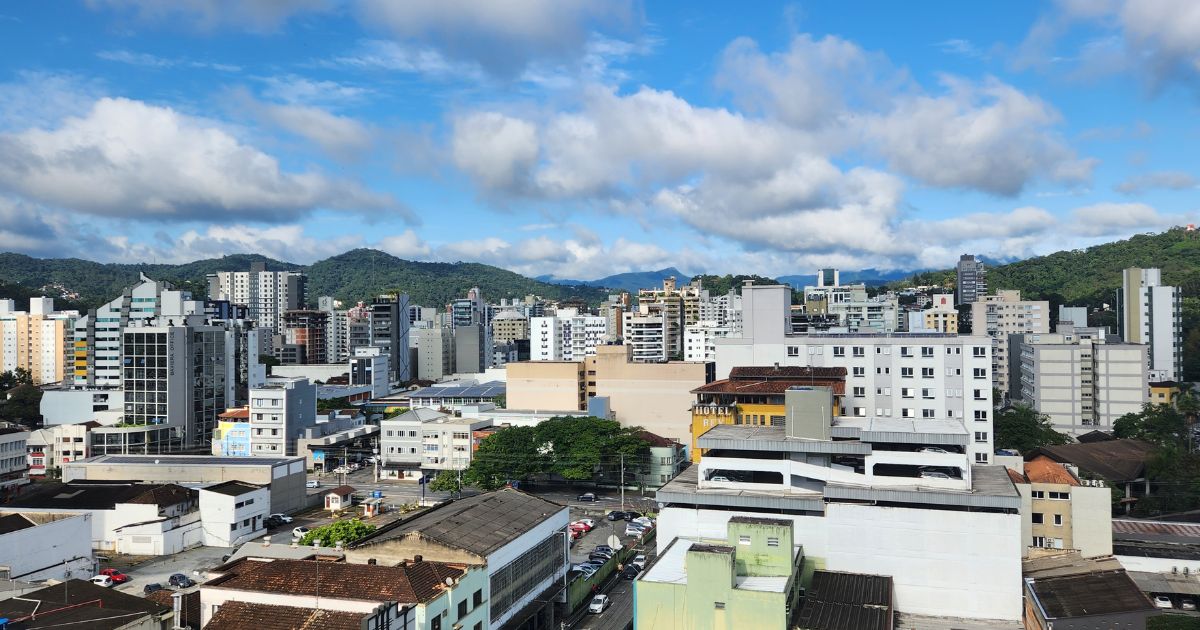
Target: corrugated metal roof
[(1155, 530), (484, 390), (847, 601)]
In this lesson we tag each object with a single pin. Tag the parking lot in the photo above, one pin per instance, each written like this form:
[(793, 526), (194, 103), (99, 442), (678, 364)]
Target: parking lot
[(619, 614), (192, 563)]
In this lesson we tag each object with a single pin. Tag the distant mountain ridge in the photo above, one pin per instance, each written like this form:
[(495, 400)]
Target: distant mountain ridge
[(355, 275), (631, 281)]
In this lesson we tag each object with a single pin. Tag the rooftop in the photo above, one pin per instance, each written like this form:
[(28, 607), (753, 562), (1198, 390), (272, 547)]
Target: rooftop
[(420, 414), (234, 615), (232, 488), (182, 460), (786, 372), (1042, 469), (412, 583), (1113, 460), (240, 413), (901, 425), (479, 524), (93, 495), (671, 566), (776, 383), (342, 491), (656, 440), (77, 604), (847, 601), (1088, 594), (14, 523), (484, 390), (1156, 531), (1062, 563)]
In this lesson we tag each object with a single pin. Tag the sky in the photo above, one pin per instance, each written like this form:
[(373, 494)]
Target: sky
[(580, 138)]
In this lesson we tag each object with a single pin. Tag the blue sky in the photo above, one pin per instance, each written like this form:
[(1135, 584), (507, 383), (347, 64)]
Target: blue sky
[(581, 139)]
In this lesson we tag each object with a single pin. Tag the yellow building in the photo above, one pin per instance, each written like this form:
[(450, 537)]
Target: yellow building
[(1058, 511), (755, 395), (1164, 392), (35, 340)]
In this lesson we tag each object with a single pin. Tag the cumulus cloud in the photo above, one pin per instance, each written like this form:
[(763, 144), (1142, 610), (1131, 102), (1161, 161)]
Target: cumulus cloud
[(987, 136), (127, 158), (503, 37), (342, 137), (495, 149), (1119, 219), (1170, 180), (146, 60)]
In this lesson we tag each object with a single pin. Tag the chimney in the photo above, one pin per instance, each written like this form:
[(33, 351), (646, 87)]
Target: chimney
[(417, 558)]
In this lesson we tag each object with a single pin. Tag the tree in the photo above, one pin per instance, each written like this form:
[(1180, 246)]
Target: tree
[(446, 481), (508, 454), (13, 378), (345, 532), (1188, 404), (269, 361), (1023, 429), (23, 406), (1162, 425)]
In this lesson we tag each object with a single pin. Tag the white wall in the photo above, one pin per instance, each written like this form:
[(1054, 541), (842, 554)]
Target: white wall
[(223, 520), (60, 549), (943, 563)]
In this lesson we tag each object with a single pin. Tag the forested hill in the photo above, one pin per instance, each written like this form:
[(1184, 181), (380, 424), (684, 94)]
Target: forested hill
[(354, 275)]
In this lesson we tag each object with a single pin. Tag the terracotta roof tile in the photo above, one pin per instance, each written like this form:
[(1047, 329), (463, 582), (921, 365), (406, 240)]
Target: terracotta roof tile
[(732, 386), (234, 615), (1015, 476), (241, 413), (342, 491), (412, 583), (1042, 469)]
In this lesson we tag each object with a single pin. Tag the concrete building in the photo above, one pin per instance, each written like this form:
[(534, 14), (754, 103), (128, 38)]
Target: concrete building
[(1058, 511), (546, 385), (37, 340), (510, 325), (468, 356), (664, 461), (46, 546), (235, 511), (390, 330), (1065, 592), (49, 448), (926, 376), (971, 276), (749, 579), (474, 341), (308, 330), (566, 336), (14, 460), (519, 540), (452, 396), (1001, 315), (279, 413), (284, 475), (877, 315), (1081, 382), (400, 443), (1152, 314), (435, 352), (1122, 465), (1077, 316), (941, 316), (699, 339), (676, 305), (417, 594), (267, 295), (758, 396), (879, 496), (446, 442), (646, 334)]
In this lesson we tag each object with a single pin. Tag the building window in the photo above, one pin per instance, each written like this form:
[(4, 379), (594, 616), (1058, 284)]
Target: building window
[(980, 373), (926, 413), (979, 394), (1061, 496), (793, 351), (1039, 541), (743, 540), (860, 351), (905, 351), (906, 392), (1038, 518), (860, 391), (1058, 520), (926, 351), (981, 458), (860, 371), (979, 351), (462, 609), (906, 372), (926, 372), (1038, 494), (981, 436), (719, 605), (907, 413), (839, 351), (981, 414), (860, 412)]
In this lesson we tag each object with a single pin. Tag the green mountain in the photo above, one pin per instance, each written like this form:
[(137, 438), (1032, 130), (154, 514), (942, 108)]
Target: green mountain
[(352, 276)]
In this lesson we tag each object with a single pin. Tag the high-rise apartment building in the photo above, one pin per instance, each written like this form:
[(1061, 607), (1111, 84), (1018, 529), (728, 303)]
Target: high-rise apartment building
[(266, 294), (646, 334), (309, 330), (1004, 314), (279, 413), (509, 325), (972, 279), (37, 340), (390, 330), (1078, 379), (470, 315), (435, 352), (567, 336), (613, 311), (336, 335), (915, 376), (1151, 314), (678, 306)]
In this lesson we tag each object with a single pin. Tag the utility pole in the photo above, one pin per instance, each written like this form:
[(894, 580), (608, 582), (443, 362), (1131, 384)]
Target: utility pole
[(622, 482)]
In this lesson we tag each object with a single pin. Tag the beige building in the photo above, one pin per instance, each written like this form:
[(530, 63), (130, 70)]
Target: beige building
[(678, 305), (1004, 314), (654, 396), (35, 340), (509, 326), (942, 316), (1079, 381), (1058, 511)]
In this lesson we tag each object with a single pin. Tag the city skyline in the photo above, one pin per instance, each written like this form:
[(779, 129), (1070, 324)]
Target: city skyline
[(584, 139)]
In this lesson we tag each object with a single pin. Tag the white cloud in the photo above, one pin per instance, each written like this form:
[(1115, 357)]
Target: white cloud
[(379, 54), (988, 136), (147, 60), (126, 158), (495, 149), (297, 90), (405, 245), (1121, 219), (342, 137), (502, 37), (1171, 180)]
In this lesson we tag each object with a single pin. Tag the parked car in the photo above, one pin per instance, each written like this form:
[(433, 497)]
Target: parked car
[(631, 572), (576, 534), (934, 449), (587, 496), (117, 576), (605, 548), (312, 483), (150, 588), (1162, 601), (1187, 604), (591, 524), (933, 474), (103, 580), (299, 532), (586, 569), (599, 604), (616, 515), (644, 521), (180, 580), (282, 518), (629, 516), (718, 478), (598, 557), (583, 527), (634, 530), (639, 561)]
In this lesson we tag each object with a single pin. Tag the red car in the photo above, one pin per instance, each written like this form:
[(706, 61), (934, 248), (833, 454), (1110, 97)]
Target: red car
[(117, 576)]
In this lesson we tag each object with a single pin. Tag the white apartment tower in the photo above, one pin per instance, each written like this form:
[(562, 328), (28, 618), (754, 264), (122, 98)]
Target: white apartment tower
[(38, 340), (972, 279), (1151, 314), (566, 337), (917, 376), (1004, 314), (266, 294), (647, 334)]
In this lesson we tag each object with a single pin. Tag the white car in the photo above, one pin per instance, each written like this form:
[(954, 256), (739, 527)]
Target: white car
[(599, 603), (934, 449), (282, 518), (102, 580), (933, 474), (639, 561), (312, 483), (718, 478), (644, 521), (586, 569), (300, 532), (1160, 601), (633, 529)]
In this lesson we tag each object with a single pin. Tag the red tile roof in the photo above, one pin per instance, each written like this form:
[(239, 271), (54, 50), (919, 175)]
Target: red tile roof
[(750, 387), (1042, 469), (655, 439), (235, 615), (342, 491), (415, 582), (241, 413), (1015, 476)]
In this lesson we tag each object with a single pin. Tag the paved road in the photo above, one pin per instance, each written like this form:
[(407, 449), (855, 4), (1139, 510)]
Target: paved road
[(619, 615)]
